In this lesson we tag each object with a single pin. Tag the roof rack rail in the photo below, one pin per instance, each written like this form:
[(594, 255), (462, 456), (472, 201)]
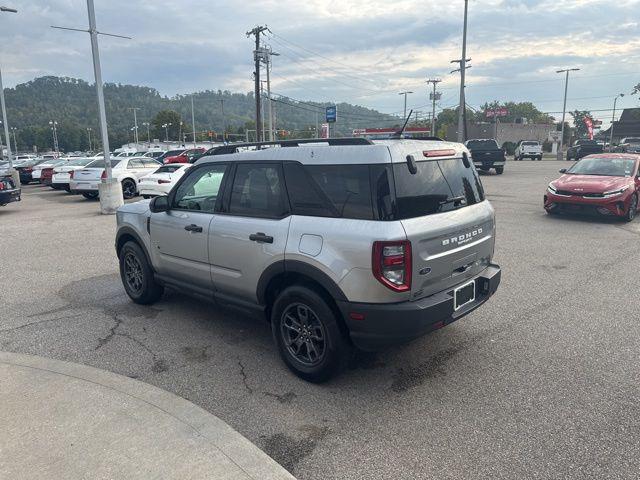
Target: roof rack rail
[(233, 147)]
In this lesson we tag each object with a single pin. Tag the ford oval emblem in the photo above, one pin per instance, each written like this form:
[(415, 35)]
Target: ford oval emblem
[(425, 271)]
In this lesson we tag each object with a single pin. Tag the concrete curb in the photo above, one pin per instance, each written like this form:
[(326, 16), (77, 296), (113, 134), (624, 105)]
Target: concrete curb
[(249, 458)]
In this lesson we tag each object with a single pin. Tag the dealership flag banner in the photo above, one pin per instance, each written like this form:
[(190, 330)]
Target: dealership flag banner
[(588, 121)]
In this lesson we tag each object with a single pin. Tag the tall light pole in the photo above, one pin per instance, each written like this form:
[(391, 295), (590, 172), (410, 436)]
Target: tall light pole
[(193, 122), (146, 124), (434, 96), (224, 126), (404, 116), (266, 54), (14, 174), (166, 130), (110, 191), (89, 133), (54, 129), (613, 119), (564, 108), (15, 142), (135, 123)]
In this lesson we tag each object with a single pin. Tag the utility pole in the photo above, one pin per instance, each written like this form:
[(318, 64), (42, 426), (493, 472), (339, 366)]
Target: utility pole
[(613, 119), (462, 109), (564, 108), (110, 191), (266, 54), (256, 57), (262, 82), (166, 130), (14, 174), (135, 123), (434, 96), (404, 116)]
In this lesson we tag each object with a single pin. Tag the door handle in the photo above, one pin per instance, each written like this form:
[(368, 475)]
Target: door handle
[(260, 238), (193, 228)]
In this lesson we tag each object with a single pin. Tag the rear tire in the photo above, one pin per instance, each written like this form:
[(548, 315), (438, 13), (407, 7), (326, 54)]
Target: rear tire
[(633, 209), (306, 332), (499, 170), (137, 276), (129, 189), (90, 195)]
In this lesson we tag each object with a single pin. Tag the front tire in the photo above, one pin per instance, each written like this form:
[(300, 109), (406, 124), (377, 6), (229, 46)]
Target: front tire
[(633, 209), (306, 332), (499, 170), (137, 276)]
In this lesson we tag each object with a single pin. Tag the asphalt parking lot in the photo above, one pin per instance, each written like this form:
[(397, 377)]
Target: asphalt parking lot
[(541, 382)]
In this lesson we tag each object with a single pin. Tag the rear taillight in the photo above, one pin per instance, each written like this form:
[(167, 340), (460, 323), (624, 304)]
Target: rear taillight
[(163, 181), (392, 264), (104, 175), (71, 175)]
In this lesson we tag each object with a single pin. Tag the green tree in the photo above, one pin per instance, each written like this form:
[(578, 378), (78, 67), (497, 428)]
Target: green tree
[(578, 122), (172, 119)]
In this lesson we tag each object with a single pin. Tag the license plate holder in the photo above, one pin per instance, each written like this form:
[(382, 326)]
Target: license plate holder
[(464, 295)]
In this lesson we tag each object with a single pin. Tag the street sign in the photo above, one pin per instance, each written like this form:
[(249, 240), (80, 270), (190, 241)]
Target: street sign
[(496, 112), (438, 96), (554, 136), (331, 114), (324, 130)]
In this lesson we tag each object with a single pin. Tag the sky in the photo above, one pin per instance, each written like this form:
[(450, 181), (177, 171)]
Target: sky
[(359, 51)]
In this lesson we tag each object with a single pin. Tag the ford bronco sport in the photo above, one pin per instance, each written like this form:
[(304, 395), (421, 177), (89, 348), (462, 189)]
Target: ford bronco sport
[(340, 243)]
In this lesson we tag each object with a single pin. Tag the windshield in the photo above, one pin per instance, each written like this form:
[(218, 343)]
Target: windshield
[(610, 167), (586, 142), (479, 144), (439, 186), (173, 153), (101, 164), (632, 140), (80, 162)]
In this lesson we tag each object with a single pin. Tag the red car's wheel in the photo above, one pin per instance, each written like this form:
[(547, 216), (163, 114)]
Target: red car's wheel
[(633, 209)]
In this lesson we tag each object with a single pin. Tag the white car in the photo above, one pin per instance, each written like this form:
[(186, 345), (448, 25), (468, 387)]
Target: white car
[(162, 180), (37, 169), (127, 170), (61, 174), (528, 149)]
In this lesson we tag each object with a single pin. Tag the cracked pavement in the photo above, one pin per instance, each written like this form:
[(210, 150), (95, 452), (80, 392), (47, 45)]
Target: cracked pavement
[(541, 382)]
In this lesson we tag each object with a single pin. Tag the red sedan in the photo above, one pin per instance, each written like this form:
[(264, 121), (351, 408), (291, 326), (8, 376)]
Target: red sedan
[(185, 157), (605, 184)]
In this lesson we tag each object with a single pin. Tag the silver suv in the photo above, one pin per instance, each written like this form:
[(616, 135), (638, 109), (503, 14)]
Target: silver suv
[(340, 243)]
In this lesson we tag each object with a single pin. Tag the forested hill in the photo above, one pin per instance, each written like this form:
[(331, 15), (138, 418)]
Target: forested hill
[(72, 104)]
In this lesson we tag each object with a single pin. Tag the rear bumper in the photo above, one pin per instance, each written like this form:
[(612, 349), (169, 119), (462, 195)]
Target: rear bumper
[(83, 187), (391, 324), (489, 163), (8, 196)]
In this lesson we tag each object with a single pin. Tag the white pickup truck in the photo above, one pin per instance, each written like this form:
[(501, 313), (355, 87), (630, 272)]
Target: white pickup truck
[(528, 149)]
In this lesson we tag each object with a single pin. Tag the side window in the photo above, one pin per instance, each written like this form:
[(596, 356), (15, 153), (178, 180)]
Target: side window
[(200, 189), (149, 163), (258, 191), (134, 164)]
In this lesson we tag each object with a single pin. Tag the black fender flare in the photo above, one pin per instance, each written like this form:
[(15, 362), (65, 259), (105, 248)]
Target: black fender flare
[(302, 268), (129, 231)]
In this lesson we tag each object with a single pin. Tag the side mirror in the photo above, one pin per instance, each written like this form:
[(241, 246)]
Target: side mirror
[(563, 170), (159, 204)]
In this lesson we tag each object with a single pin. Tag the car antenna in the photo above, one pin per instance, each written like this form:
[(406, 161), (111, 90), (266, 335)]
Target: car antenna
[(400, 133)]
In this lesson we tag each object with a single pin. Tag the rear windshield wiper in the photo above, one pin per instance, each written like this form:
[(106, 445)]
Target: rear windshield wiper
[(454, 200)]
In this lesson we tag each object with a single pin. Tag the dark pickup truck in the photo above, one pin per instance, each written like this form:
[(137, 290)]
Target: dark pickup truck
[(582, 148), (486, 154)]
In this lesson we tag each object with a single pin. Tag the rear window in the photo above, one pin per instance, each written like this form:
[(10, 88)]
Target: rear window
[(169, 168), (342, 191), (101, 164), (482, 144), (530, 144), (173, 153), (438, 186)]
